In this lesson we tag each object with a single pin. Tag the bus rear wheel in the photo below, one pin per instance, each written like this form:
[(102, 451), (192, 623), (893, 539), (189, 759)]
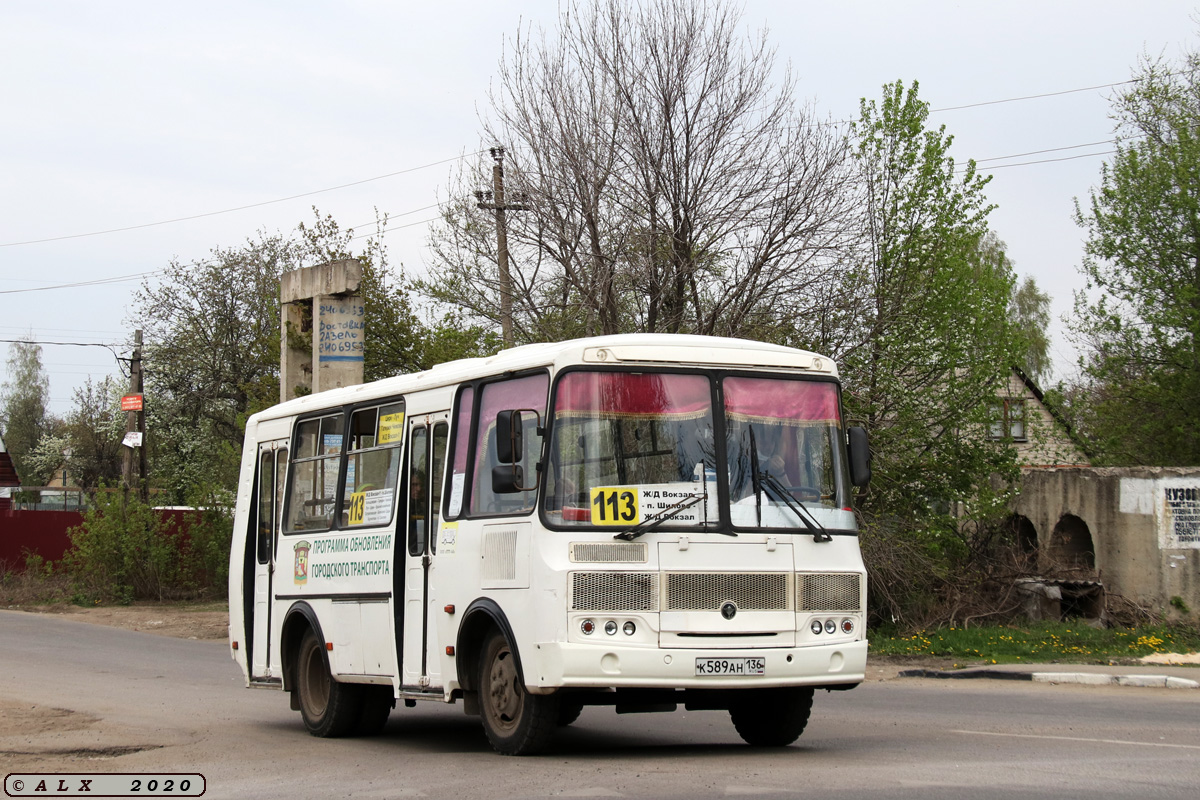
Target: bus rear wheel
[(377, 702), (772, 717), (516, 723), (329, 708)]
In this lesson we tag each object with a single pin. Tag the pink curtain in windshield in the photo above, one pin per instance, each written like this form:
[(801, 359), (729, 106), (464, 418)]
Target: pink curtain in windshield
[(624, 393), (766, 398)]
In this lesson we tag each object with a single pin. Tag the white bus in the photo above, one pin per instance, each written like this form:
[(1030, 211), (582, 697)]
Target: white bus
[(638, 521)]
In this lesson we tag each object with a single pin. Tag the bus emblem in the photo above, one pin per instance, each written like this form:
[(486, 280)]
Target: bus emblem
[(728, 610), (301, 573)]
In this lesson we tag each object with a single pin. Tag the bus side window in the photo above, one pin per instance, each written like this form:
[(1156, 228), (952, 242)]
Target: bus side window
[(418, 491), (461, 449), (266, 507), (437, 468), (528, 392), (313, 477), (372, 465), (280, 471)]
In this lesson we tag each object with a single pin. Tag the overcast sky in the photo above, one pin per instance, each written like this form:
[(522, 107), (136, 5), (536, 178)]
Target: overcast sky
[(121, 114)]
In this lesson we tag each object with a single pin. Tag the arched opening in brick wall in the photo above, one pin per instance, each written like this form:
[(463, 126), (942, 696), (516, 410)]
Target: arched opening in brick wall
[(1024, 534), (1071, 544)]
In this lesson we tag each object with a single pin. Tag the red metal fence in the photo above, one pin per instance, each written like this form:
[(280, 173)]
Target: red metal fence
[(45, 532)]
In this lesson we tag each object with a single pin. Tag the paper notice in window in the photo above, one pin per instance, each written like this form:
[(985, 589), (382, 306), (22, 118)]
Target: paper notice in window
[(456, 493), (391, 428)]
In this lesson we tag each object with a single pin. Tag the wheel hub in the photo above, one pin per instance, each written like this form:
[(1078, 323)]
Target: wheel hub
[(503, 692)]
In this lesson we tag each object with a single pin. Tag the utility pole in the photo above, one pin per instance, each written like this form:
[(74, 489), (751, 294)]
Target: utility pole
[(135, 422), (494, 200)]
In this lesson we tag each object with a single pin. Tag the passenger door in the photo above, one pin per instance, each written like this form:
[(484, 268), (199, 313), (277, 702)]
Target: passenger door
[(427, 437), (272, 465)]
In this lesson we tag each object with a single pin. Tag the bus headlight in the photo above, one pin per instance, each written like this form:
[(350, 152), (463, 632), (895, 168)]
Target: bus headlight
[(629, 628), (816, 627), (830, 626), (610, 628)]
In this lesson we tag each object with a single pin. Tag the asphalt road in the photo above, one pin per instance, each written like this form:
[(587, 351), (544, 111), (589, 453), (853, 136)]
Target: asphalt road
[(81, 698)]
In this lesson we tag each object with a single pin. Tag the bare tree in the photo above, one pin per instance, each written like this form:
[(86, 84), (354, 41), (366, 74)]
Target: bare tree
[(671, 183)]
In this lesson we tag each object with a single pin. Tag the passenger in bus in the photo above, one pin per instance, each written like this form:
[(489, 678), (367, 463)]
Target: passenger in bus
[(418, 504)]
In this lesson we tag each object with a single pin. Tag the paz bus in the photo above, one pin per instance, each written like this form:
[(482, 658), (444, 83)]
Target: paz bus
[(640, 521)]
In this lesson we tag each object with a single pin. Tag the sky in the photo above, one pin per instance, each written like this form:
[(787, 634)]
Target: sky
[(221, 120)]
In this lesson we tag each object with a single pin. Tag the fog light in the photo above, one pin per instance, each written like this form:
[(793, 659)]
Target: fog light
[(588, 627), (816, 627), (610, 628), (830, 626), (847, 626), (629, 628)]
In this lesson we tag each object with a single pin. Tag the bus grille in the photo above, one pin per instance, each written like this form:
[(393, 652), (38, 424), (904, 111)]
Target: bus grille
[(823, 591), (614, 591), (609, 552), (706, 591)]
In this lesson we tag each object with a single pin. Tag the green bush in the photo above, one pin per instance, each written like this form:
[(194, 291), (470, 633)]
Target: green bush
[(126, 551)]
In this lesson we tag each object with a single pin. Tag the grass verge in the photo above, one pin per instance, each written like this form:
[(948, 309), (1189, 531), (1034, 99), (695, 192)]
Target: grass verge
[(1034, 642)]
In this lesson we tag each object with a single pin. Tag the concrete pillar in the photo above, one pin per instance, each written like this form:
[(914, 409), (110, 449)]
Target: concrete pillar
[(321, 328), (295, 349), (338, 341)]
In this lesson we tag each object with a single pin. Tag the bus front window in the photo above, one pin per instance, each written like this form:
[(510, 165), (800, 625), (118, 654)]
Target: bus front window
[(630, 447), (782, 436)]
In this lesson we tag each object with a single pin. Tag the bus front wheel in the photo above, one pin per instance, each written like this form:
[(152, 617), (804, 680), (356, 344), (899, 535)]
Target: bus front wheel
[(329, 708), (772, 717), (517, 723)]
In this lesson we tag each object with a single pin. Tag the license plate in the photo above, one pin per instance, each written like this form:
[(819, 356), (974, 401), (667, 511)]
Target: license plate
[(731, 666)]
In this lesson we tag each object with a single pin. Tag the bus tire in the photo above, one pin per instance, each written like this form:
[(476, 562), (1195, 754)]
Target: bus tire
[(377, 702), (568, 712), (329, 708), (772, 717), (516, 723)]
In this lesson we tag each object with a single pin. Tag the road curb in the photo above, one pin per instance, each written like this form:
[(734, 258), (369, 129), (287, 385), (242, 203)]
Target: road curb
[(1082, 678)]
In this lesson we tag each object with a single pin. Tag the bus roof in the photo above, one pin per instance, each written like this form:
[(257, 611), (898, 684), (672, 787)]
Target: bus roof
[(658, 349)]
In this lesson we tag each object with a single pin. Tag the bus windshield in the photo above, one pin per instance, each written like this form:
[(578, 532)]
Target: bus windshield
[(630, 446), (782, 444), (632, 449)]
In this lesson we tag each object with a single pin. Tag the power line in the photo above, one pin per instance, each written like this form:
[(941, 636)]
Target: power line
[(139, 275), (72, 344), (961, 170), (97, 282), (479, 152), (1052, 160), (1050, 150), (109, 347), (1032, 96), (238, 208)]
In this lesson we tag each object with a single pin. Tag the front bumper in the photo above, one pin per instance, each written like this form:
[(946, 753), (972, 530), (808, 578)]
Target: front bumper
[(565, 665)]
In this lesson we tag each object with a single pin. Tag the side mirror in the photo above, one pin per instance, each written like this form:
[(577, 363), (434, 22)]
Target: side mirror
[(509, 479), (510, 445), (860, 457)]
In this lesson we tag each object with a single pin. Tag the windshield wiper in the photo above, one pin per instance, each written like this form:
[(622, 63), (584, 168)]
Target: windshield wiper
[(669, 513), (814, 526), (755, 481)]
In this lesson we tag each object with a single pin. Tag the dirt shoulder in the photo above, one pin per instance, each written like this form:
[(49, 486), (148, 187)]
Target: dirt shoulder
[(181, 620)]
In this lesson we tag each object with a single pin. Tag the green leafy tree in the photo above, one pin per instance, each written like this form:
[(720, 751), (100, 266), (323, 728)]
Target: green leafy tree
[(1138, 319), (1029, 309), (23, 415), (931, 343), (87, 444), (213, 338), (211, 359)]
